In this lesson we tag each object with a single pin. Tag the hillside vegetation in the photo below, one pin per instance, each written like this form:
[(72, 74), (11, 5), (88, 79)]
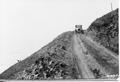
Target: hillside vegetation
[(104, 30), (74, 55), (54, 61)]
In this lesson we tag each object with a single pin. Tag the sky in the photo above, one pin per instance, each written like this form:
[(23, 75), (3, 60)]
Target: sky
[(28, 25)]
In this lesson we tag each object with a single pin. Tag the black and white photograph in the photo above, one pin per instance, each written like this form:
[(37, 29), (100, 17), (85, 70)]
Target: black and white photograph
[(59, 40)]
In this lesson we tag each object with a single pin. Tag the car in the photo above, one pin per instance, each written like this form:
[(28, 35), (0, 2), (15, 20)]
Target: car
[(78, 29)]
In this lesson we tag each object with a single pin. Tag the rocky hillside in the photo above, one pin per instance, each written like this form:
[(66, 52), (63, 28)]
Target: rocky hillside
[(74, 55), (104, 30), (54, 61)]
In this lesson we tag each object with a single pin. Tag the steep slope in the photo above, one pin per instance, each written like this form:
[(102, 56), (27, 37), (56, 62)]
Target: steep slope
[(104, 30), (56, 56), (74, 55)]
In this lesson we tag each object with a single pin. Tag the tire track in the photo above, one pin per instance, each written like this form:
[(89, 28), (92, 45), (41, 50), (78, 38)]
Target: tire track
[(78, 52)]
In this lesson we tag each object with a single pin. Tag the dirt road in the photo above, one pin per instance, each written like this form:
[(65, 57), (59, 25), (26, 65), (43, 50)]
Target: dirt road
[(93, 60)]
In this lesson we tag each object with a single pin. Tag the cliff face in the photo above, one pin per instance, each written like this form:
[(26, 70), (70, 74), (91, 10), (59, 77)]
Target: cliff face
[(104, 30)]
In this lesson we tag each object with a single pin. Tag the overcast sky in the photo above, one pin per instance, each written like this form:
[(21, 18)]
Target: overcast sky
[(28, 25)]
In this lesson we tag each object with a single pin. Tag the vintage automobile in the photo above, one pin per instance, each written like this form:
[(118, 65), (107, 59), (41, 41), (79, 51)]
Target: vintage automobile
[(78, 29)]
